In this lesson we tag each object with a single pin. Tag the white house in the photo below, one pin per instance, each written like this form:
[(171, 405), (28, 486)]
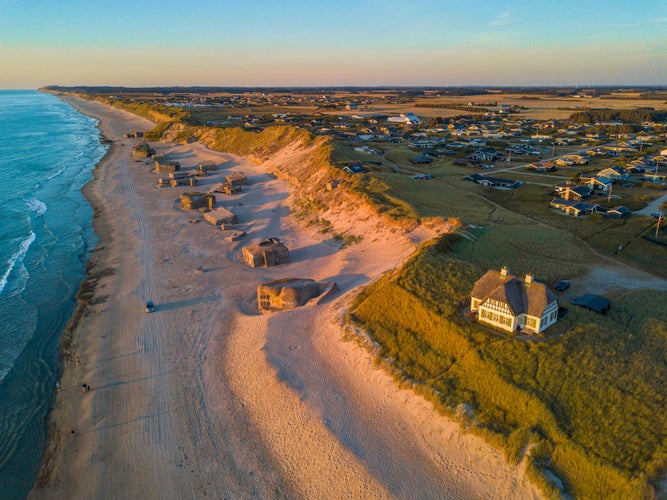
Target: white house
[(511, 303), (406, 118)]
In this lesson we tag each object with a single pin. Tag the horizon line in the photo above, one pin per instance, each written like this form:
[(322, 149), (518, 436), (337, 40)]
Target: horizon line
[(353, 86)]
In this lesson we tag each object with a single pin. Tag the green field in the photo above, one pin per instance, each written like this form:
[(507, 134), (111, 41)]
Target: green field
[(526, 210), (587, 402)]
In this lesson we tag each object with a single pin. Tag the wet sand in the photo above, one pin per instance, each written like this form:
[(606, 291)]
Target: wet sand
[(208, 397)]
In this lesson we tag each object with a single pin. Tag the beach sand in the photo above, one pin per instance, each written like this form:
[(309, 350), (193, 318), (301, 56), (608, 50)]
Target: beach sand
[(208, 397)]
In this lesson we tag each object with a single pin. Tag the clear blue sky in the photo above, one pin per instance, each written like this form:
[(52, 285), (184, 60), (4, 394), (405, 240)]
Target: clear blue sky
[(335, 42)]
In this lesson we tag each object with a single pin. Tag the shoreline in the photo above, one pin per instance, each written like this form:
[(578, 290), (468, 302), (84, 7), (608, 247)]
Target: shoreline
[(207, 396), (84, 293)]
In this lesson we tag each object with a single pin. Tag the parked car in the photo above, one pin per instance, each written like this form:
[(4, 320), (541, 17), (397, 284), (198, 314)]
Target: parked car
[(657, 215), (562, 285), (150, 307)]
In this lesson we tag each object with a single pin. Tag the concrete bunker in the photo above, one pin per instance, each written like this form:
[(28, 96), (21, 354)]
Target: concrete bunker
[(267, 253), (236, 179), (289, 293), (220, 216), (196, 200)]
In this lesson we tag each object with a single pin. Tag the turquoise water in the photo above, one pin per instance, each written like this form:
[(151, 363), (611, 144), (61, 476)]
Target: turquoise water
[(47, 153)]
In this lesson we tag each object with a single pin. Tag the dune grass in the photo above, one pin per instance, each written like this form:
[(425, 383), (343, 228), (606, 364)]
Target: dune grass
[(587, 400)]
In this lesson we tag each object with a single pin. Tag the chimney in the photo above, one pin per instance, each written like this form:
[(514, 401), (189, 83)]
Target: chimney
[(529, 279), (503, 272)]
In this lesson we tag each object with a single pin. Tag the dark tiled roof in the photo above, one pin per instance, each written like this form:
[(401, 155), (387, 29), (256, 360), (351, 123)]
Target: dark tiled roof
[(522, 298)]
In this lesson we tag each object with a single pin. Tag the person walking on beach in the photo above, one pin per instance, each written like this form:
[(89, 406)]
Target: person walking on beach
[(58, 386), (71, 431)]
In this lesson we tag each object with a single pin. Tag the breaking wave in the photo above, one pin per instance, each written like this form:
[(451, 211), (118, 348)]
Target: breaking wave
[(56, 174), (36, 206), (18, 257)]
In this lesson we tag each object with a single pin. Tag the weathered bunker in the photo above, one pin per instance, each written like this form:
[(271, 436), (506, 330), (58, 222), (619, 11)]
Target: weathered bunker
[(267, 253), (289, 293)]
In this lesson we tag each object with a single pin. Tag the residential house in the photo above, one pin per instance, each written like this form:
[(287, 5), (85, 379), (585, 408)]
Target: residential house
[(597, 183), (405, 118), (614, 173), (563, 162), (562, 186), (542, 166), (635, 169), (574, 207), (619, 212), (423, 143), (576, 193), (421, 160), (577, 159), (354, 168), (510, 303), (494, 182), (485, 154), (653, 177)]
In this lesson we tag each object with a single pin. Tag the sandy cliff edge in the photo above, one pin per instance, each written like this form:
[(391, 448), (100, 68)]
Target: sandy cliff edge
[(206, 396)]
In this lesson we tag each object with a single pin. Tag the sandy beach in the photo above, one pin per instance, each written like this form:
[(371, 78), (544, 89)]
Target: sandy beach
[(208, 397)]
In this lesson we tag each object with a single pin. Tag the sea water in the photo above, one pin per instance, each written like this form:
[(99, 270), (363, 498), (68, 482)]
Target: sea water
[(47, 153)]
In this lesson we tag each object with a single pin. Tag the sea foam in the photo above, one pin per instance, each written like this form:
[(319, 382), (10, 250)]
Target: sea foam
[(18, 257), (36, 206)]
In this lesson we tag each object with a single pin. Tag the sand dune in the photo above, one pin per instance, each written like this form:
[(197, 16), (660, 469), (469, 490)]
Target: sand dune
[(207, 397)]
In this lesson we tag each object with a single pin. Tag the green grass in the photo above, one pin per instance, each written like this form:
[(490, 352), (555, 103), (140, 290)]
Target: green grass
[(589, 398)]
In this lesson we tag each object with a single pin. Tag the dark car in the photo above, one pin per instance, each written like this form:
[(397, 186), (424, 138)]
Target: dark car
[(562, 285), (150, 307)]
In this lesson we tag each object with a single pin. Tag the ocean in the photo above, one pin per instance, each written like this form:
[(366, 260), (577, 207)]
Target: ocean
[(47, 153)]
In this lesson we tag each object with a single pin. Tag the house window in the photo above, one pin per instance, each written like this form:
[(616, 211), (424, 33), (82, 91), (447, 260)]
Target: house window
[(474, 304), (531, 322)]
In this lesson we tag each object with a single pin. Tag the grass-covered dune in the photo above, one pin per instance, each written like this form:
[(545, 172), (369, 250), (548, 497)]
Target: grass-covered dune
[(585, 405), (294, 154)]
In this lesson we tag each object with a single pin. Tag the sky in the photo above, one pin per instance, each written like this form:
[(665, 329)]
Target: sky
[(332, 43)]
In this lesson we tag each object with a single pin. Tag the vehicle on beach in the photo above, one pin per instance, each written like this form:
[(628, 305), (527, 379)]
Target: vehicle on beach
[(150, 307)]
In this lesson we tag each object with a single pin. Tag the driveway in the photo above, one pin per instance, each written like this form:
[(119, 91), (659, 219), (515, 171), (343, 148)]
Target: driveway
[(654, 206)]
